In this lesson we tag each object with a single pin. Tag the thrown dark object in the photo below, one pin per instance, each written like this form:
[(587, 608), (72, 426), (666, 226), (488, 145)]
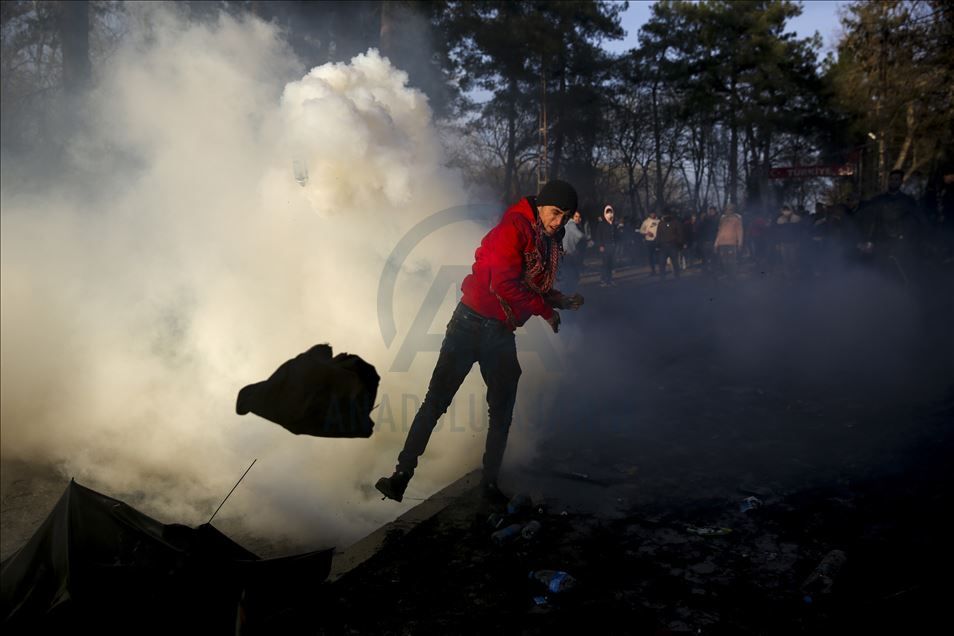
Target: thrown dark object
[(316, 394), (97, 565)]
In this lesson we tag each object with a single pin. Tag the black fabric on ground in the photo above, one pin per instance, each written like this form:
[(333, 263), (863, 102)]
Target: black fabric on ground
[(98, 564), (316, 394)]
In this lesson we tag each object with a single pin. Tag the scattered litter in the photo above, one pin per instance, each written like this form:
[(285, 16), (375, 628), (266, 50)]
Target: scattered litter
[(897, 594), (540, 600), (820, 581), (507, 534), (530, 530), (750, 503), (495, 520), (708, 532), (555, 580), (519, 503), (758, 491)]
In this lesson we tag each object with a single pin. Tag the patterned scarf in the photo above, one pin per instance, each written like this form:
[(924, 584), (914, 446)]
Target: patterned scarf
[(543, 259), (534, 266)]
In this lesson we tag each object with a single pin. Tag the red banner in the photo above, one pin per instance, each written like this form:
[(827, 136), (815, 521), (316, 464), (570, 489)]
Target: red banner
[(807, 172)]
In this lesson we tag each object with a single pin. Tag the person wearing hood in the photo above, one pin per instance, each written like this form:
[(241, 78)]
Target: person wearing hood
[(511, 281), (669, 236), (648, 230), (607, 234)]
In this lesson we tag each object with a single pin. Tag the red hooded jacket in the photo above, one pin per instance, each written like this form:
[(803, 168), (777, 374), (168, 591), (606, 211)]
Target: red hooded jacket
[(514, 269)]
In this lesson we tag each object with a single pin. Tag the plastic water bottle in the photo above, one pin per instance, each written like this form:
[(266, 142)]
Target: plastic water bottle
[(555, 580), (530, 530), (507, 534), (750, 503), (519, 503), (822, 578)]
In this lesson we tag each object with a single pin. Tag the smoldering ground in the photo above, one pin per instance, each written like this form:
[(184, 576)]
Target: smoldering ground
[(827, 399), (688, 390), (218, 209)]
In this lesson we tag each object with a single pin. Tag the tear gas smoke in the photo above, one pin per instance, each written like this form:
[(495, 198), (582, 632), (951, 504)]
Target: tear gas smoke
[(222, 213)]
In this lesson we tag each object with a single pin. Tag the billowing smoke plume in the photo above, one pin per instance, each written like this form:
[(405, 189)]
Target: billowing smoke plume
[(224, 211)]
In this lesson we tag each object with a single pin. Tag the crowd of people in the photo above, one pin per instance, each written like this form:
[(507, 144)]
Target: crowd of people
[(892, 231)]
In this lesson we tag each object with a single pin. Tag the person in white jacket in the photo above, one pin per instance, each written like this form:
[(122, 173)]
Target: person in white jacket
[(648, 230)]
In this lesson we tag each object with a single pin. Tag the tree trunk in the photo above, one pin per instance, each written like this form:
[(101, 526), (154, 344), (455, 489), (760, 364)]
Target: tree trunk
[(74, 37), (509, 180), (631, 189), (733, 145), (648, 195), (657, 142), (908, 138), (560, 131)]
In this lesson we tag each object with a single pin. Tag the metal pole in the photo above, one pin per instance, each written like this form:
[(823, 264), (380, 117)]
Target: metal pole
[(233, 490)]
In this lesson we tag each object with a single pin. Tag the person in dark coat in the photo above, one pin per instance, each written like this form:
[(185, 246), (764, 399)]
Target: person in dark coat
[(669, 237), (607, 234), (891, 228), (788, 233), (705, 237)]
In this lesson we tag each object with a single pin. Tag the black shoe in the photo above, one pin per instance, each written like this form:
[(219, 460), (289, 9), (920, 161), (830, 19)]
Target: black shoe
[(393, 487), (490, 491)]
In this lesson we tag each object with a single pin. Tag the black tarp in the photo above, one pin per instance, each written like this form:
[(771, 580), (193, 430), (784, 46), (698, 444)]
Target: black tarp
[(316, 394), (98, 564)]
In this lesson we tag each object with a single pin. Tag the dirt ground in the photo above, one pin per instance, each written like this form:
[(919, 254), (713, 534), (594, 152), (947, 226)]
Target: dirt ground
[(838, 418), (833, 404)]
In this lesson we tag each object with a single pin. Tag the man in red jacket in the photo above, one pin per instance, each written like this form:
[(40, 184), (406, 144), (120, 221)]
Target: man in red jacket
[(511, 281)]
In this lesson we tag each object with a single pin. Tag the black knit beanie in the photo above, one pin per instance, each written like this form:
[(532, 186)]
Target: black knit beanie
[(558, 193)]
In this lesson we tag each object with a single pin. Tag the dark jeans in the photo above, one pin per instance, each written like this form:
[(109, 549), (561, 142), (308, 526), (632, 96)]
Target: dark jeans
[(470, 338), (707, 254), (651, 251), (609, 259), (671, 252), (729, 256)]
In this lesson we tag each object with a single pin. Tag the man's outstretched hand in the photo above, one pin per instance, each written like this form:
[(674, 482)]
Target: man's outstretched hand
[(554, 322), (572, 303)]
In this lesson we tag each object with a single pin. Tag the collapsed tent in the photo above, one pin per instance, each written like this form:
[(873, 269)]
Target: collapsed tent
[(315, 394), (97, 563)]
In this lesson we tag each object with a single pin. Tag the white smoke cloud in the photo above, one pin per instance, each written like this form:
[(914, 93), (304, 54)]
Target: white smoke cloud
[(185, 261)]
